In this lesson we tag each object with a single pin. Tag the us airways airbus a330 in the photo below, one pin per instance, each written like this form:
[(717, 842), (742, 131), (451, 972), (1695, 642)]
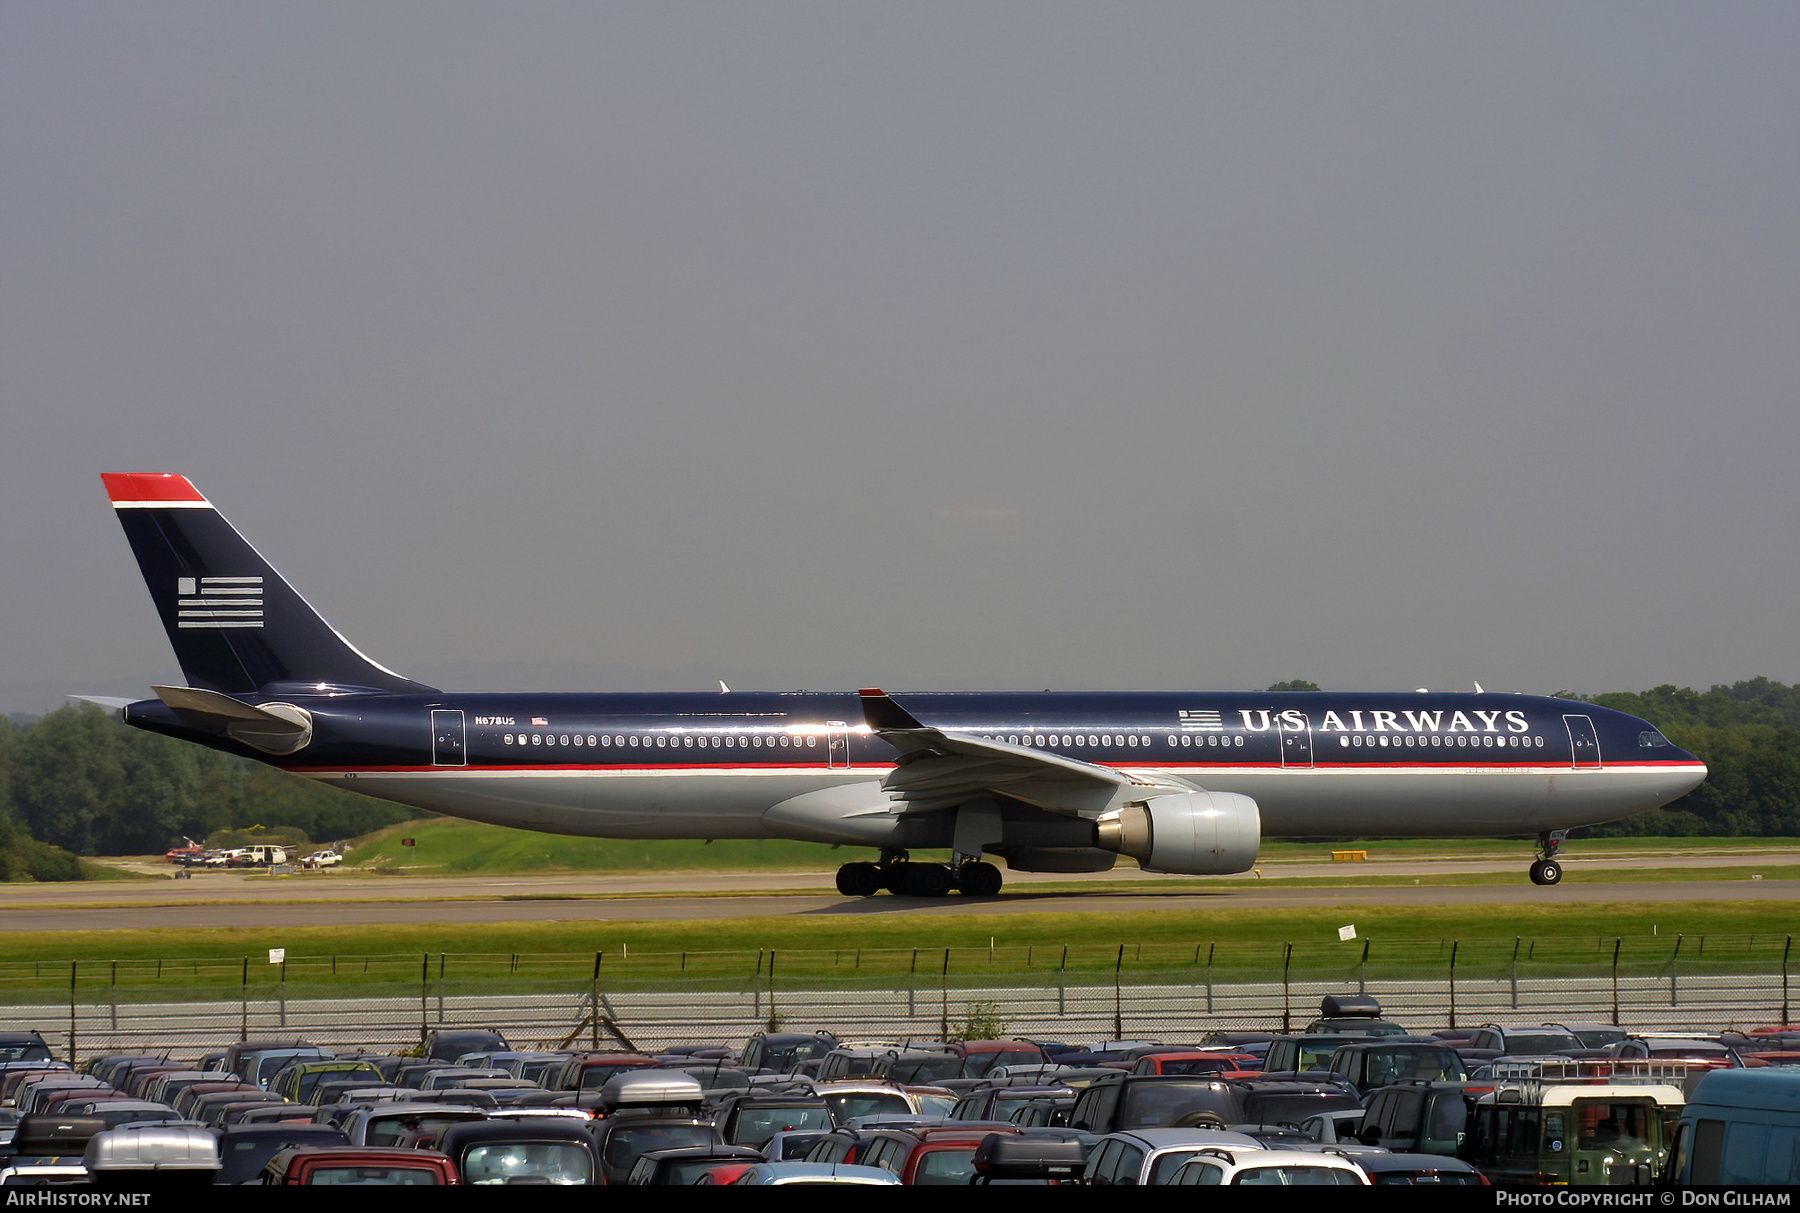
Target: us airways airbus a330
[(1184, 782)]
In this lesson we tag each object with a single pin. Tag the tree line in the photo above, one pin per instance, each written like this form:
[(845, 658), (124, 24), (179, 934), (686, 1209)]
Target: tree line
[(78, 781), (81, 780)]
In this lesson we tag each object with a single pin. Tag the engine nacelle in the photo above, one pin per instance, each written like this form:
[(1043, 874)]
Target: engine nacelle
[(1191, 833)]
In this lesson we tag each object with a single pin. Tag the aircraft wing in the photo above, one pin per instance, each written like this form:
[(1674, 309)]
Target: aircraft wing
[(941, 768)]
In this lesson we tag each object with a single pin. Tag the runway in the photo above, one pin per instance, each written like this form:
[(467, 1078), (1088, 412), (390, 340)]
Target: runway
[(230, 899)]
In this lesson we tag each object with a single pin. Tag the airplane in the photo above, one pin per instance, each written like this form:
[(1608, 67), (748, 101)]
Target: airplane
[(1182, 782)]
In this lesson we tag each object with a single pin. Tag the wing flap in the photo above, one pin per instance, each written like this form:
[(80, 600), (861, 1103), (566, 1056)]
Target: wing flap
[(940, 769)]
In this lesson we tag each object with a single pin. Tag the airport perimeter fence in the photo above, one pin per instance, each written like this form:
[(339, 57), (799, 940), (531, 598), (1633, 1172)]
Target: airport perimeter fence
[(653, 1000)]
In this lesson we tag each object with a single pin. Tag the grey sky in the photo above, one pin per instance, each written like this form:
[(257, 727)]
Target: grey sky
[(615, 345)]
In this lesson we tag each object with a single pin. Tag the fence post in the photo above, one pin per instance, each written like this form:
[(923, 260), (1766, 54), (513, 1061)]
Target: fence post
[(1209, 976), (281, 990), (944, 999), (424, 997), (594, 1005), (1454, 945), (1362, 970), (1287, 960), (72, 968), (112, 995), (1674, 966), (1617, 945), (1118, 997), (773, 1025), (1515, 971), (440, 1000), (1784, 979)]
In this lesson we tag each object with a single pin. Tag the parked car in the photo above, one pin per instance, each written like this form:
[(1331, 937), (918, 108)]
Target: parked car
[(1268, 1168), (359, 1166), (524, 1151), (1144, 1157)]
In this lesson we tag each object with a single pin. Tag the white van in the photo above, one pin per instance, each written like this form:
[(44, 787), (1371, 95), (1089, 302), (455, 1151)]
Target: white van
[(1739, 1127)]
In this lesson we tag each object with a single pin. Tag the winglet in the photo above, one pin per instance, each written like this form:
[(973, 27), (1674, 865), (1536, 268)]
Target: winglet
[(883, 715)]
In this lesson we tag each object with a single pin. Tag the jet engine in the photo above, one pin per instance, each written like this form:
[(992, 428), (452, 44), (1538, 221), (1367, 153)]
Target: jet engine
[(1191, 833)]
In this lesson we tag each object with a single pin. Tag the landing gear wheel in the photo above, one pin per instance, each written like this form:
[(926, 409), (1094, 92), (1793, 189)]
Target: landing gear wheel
[(979, 880), (1546, 872), (923, 880), (859, 880)]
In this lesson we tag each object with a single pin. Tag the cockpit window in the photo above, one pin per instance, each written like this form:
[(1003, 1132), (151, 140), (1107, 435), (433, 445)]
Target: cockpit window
[(1651, 739)]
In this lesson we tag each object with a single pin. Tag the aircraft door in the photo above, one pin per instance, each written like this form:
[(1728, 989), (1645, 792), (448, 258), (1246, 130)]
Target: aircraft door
[(1296, 740), (449, 743), (1584, 743), (837, 745)]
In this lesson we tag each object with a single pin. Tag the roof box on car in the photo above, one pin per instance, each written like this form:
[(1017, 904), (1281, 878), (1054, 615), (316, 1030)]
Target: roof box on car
[(1349, 1006), (152, 1147), (1007, 1156), (650, 1089)]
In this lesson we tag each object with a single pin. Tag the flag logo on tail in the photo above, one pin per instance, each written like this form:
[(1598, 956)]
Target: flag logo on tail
[(219, 602)]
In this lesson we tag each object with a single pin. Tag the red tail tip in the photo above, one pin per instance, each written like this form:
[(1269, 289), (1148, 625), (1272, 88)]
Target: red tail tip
[(137, 487)]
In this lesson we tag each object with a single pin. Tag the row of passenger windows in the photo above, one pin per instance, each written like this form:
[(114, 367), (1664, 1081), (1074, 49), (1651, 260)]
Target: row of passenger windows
[(663, 740), (1455, 739), (1061, 740), (1214, 740)]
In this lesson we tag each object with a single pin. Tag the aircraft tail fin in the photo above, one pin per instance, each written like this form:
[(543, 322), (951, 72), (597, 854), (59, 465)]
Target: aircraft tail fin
[(236, 625)]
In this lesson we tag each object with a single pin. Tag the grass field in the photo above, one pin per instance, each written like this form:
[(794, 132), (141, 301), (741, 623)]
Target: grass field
[(448, 846), (1722, 930)]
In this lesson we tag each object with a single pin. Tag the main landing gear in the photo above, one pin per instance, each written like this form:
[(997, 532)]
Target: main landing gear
[(1548, 870), (899, 875)]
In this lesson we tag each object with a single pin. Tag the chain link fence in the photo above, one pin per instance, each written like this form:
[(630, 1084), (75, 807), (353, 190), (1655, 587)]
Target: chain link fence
[(649, 1001)]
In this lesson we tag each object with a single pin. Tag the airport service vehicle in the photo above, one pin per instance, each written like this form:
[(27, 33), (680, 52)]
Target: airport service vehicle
[(1183, 782), (1561, 1133), (1739, 1127)]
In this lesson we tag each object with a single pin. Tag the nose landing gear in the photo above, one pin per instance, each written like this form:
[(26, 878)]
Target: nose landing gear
[(1548, 869)]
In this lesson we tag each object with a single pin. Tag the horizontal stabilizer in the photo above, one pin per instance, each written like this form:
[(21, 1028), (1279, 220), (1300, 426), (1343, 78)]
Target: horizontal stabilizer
[(111, 703), (274, 728)]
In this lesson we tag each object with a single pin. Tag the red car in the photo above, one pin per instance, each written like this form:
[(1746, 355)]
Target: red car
[(358, 1166)]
